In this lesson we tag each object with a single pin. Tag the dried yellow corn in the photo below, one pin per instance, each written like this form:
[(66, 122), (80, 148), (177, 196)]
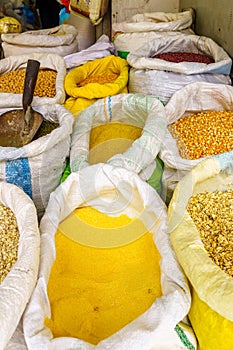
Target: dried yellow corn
[(9, 239), (100, 79), (203, 134), (212, 213), (13, 82)]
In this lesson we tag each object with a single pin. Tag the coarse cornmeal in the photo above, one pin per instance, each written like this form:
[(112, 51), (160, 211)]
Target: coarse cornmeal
[(94, 292)]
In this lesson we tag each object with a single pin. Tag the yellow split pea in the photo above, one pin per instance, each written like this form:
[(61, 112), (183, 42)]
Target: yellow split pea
[(94, 292)]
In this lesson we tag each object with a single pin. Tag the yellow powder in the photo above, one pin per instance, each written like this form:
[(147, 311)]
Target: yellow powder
[(94, 292), (109, 139)]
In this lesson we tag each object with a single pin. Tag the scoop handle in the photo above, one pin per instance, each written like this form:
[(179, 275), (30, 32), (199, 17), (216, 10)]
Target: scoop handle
[(30, 82)]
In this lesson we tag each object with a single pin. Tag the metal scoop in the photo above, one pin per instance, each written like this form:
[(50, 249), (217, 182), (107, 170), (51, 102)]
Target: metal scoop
[(18, 126)]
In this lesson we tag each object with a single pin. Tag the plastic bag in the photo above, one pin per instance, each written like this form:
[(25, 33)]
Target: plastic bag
[(211, 286)]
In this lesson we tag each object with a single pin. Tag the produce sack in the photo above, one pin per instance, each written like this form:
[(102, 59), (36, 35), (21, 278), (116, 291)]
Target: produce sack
[(126, 287), (102, 48), (203, 255), (38, 166), (102, 77), (18, 284), (192, 99), (50, 81), (136, 128), (94, 10), (130, 35), (143, 58), (61, 40)]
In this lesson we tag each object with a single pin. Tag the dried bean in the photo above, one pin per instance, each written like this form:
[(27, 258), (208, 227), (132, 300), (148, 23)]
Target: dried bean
[(184, 57)]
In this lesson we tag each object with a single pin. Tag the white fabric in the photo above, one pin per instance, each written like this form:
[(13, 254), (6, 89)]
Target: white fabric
[(164, 84), (102, 48), (138, 110), (47, 61), (142, 59), (61, 40), (16, 288), (45, 157), (192, 98), (154, 329), (156, 21)]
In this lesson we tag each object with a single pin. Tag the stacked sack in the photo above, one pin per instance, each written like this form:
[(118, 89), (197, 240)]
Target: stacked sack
[(200, 226), (161, 67)]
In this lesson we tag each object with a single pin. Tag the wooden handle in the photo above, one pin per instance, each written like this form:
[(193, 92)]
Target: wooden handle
[(30, 82)]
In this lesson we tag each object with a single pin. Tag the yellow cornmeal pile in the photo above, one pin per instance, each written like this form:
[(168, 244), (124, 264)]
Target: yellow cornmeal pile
[(100, 79), (203, 134), (13, 82), (212, 212), (9, 240), (94, 292)]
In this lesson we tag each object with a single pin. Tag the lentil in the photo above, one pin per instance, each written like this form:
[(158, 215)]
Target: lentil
[(94, 292), (203, 134), (13, 82), (100, 79), (212, 213), (9, 239), (184, 57), (46, 128)]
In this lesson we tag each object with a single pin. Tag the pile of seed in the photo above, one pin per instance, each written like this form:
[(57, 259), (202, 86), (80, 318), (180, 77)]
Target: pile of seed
[(46, 128), (13, 82), (203, 134), (100, 79), (212, 213), (184, 57), (9, 240)]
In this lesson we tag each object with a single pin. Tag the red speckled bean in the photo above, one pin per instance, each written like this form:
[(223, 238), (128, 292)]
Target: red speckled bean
[(184, 57)]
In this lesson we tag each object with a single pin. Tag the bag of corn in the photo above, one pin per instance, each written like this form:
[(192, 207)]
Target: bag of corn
[(164, 66), (125, 130), (102, 77), (200, 226), (140, 29), (61, 40), (19, 257), (94, 10), (108, 278), (200, 125), (50, 81), (38, 166)]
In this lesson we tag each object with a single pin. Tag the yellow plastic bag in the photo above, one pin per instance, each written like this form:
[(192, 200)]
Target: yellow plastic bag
[(81, 97), (10, 25), (211, 312)]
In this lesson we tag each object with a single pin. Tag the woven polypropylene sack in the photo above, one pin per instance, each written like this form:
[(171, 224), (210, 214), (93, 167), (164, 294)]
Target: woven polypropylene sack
[(93, 9), (37, 167), (47, 61), (61, 40), (211, 286), (17, 286), (112, 191)]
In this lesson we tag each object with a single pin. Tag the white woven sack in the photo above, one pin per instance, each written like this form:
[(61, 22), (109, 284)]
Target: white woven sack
[(155, 327), (102, 48), (142, 111), (17, 286), (61, 40), (131, 42), (49, 61), (182, 42), (37, 167), (196, 97), (164, 84), (156, 21)]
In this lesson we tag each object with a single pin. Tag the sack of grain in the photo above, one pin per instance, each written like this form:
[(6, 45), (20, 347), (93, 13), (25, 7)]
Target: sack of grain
[(49, 88), (191, 140), (19, 262), (131, 35), (37, 167), (123, 284), (61, 40), (94, 10), (125, 130), (93, 80), (200, 226)]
